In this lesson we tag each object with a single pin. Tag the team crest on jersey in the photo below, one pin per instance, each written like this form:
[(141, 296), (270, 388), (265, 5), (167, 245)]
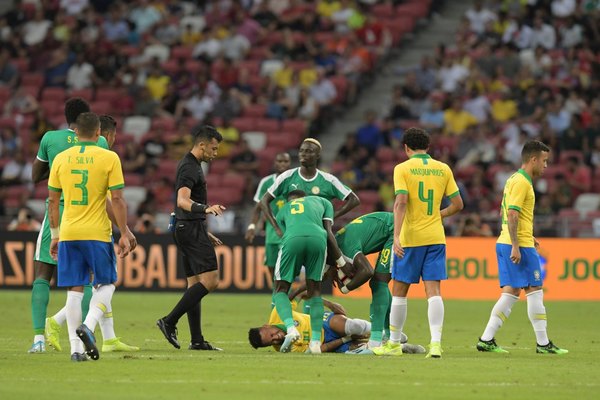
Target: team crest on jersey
[(536, 275), (315, 190)]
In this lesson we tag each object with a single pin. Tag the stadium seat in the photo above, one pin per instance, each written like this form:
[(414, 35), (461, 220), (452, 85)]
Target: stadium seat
[(219, 166), (107, 94), (341, 86), (234, 180), (136, 125), (86, 94), (134, 196), (255, 111), (167, 168), (565, 155), (163, 124), (32, 79), (214, 180), (133, 179), (385, 154), (54, 94), (267, 125), (101, 107), (587, 202), (297, 127), (383, 10), (256, 140), (370, 197), (184, 52), (244, 124)]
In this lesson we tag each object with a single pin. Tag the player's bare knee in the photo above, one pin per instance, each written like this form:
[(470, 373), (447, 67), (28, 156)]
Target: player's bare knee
[(44, 271)]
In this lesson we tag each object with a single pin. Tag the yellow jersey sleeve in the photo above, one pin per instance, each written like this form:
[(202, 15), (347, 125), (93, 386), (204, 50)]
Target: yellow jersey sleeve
[(115, 175), (400, 184), (517, 193), (451, 188)]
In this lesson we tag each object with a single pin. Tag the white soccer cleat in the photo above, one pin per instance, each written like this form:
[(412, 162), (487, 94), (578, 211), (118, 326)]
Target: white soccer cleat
[(290, 338), (314, 347)]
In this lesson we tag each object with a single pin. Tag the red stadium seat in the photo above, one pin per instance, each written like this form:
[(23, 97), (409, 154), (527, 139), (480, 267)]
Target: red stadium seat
[(86, 94), (184, 52), (101, 107), (566, 154), (267, 125), (384, 10), (107, 94), (218, 167), (297, 127), (233, 180), (341, 86), (385, 154), (32, 79), (132, 179), (368, 197), (244, 124), (54, 94), (255, 111)]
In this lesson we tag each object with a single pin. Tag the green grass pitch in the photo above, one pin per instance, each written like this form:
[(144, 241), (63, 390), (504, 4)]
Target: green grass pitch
[(161, 372)]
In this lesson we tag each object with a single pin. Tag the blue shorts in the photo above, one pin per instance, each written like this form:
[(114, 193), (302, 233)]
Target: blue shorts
[(77, 258), (427, 262), (526, 273), (330, 335), (114, 255)]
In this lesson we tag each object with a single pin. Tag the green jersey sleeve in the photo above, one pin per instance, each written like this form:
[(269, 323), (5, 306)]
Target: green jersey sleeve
[(42, 153), (263, 185), (103, 143), (328, 214)]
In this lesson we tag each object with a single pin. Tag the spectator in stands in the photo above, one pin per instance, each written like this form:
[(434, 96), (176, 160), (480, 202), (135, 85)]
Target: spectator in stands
[(265, 17), (308, 108), (369, 134), (146, 224), (324, 92), (144, 15), (231, 137), (573, 139), (9, 74), (24, 222), (371, 177), (288, 48), (386, 193), (457, 120), (391, 133), (544, 216), (145, 105), (375, 36), (58, 68), (400, 107), (562, 193), (351, 174), (557, 117), (470, 225), (41, 124), (157, 84), (432, 117), (210, 47), (478, 105), (578, 175), (17, 171), (349, 148), (81, 74), (502, 175), (154, 146), (426, 75), (245, 162), (504, 108), (229, 105), (9, 141), (594, 154), (543, 35), (115, 27), (451, 74), (34, 32), (479, 16), (133, 160), (195, 103), (20, 103)]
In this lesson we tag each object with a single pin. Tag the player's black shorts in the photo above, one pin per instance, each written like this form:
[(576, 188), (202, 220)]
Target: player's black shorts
[(198, 252)]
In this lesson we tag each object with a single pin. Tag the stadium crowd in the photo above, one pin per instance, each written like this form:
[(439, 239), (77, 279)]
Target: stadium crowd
[(269, 73), (517, 71)]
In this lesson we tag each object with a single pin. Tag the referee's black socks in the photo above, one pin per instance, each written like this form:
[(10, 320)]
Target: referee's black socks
[(189, 300)]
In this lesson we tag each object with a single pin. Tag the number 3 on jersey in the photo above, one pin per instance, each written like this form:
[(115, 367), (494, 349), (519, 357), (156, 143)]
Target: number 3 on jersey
[(82, 186), (296, 206)]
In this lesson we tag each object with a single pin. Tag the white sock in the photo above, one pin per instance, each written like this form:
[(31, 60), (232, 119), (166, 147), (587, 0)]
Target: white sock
[(98, 305), (61, 316), (73, 311), (107, 324), (398, 313), (357, 327), (499, 314), (373, 343), (537, 316), (435, 313), (39, 338)]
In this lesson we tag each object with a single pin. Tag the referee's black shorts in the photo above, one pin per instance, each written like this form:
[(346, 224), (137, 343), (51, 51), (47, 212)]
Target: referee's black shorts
[(198, 252)]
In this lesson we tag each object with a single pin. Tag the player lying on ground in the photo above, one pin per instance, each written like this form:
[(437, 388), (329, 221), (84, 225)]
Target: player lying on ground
[(340, 333)]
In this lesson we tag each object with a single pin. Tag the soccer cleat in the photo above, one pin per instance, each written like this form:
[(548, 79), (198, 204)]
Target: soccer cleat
[(435, 350), (169, 331), (53, 333), (550, 348), (89, 341), (408, 348), (78, 357), (292, 336), (115, 344), (361, 350), (490, 346), (314, 348), (388, 349), (203, 346), (37, 347)]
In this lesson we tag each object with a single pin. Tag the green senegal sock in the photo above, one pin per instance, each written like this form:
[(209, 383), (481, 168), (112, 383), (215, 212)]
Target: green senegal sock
[(40, 295), (379, 307), (284, 308), (85, 303), (316, 317)]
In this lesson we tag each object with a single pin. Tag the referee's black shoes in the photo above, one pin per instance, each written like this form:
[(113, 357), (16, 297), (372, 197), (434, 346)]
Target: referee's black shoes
[(203, 346), (169, 331)]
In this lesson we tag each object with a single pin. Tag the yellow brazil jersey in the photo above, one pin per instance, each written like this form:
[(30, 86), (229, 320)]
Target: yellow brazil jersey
[(426, 181), (85, 173), (518, 195), (302, 322)]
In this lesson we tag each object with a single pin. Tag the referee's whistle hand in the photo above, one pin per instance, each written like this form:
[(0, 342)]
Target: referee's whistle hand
[(216, 209)]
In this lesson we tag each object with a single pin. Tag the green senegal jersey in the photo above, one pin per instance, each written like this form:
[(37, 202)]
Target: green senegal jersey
[(264, 184), (304, 217), (55, 142), (322, 184), (372, 231)]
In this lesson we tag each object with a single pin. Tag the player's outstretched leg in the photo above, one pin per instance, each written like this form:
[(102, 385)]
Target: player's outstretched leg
[(89, 341)]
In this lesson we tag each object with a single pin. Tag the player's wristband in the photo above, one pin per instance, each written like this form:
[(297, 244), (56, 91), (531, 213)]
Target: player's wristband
[(346, 339), (341, 261), (344, 290), (251, 226), (54, 233), (199, 208)]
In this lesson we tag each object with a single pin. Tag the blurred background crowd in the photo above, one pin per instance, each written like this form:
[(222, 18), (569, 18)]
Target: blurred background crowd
[(269, 73)]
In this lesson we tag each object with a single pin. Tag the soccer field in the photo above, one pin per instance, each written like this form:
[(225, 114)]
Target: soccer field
[(159, 371)]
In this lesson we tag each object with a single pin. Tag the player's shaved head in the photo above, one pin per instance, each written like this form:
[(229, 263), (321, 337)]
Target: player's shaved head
[(416, 139), (533, 148), (88, 124), (296, 194), (74, 107)]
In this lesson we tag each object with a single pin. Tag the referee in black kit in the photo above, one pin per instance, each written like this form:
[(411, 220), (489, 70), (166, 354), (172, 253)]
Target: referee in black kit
[(193, 239)]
